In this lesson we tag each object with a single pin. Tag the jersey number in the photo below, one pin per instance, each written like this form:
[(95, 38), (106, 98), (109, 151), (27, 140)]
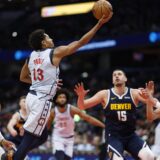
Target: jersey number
[(62, 124), (122, 115), (38, 74)]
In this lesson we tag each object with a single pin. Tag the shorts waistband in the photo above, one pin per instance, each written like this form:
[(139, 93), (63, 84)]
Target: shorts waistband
[(69, 136)]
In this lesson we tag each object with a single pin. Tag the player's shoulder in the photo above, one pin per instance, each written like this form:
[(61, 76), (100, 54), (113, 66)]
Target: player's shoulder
[(103, 92), (135, 90)]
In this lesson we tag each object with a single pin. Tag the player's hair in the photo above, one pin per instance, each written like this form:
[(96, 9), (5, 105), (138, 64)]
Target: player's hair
[(36, 38), (119, 70), (22, 97), (62, 91)]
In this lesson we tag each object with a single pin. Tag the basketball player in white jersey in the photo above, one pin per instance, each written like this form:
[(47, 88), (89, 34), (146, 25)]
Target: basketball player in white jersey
[(153, 113), (42, 71), (63, 132)]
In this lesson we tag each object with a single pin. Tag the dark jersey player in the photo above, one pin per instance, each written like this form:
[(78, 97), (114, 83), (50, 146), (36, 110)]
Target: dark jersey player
[(119, 104)]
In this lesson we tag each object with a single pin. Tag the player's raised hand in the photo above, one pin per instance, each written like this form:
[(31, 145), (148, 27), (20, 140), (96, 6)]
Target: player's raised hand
[(144, 93), (105, 19), (150, 87), (80, 91)]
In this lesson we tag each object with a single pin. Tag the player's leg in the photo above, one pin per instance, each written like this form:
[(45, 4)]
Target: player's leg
[(58, 149), (69, 142), (115, 148), (24, 147), (146, 154), (156, 151), (40, 140), (139, 149), (29, 142)]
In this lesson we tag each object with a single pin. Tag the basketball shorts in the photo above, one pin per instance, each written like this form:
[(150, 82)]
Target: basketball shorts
[(63, 144), (117, 144), (38, 111)]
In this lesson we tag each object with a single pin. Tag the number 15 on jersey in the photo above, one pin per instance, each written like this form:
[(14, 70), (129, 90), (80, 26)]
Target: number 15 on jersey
[(122, 115)]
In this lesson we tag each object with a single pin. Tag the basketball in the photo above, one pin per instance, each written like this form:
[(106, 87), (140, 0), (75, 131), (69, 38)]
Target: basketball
[(100, 8)]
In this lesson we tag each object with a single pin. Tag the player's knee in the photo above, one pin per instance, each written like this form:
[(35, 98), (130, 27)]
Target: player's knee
[(146, 154)]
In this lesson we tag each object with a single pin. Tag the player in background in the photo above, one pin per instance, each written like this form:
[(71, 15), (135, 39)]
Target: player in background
[(119, 104), (63, 131), (15, 125), (41, 70), (153, 113)]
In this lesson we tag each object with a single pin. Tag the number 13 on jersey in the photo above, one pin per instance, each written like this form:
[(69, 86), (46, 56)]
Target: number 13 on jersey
[(122, 115), (38, 74)]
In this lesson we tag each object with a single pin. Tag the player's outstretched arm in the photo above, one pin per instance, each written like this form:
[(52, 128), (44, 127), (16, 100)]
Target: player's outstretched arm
[(25, 74), (98, 98), (50, 120), (13, 121), (86, 117), (62, 51)]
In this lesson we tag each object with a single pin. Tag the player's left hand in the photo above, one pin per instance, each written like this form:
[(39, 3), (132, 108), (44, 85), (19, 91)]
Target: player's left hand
[(80, 91), (7, 144)]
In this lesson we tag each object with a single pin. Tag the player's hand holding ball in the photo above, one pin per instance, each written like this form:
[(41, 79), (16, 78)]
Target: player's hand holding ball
[(102, 10)]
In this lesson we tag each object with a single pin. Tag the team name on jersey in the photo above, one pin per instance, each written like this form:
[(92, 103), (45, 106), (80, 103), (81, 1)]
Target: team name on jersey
[(121, 106), (62, 118), (38, 61)]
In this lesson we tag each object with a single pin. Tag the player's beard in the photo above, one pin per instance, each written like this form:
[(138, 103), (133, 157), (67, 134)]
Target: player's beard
[(61, 105)]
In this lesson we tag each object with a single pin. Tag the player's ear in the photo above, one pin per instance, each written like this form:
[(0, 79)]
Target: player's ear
[(125, 79), (43, 43)]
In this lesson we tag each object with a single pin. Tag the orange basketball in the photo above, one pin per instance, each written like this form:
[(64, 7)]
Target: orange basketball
[(100, 8)]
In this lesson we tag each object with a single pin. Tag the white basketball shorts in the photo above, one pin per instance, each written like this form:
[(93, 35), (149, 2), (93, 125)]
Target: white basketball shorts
[(63, 144), (38, 111)]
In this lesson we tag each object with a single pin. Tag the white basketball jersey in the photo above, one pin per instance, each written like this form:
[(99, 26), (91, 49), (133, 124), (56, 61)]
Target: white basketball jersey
[(64, 123), (43, 73), (157, 135)]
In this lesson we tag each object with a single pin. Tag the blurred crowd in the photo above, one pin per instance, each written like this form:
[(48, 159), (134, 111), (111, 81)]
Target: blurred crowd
[(139, 16)]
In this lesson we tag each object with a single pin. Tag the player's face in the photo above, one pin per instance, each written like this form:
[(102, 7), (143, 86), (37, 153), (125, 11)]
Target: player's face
[(118, 78), (22, 103), (48, 42), (61, 100)]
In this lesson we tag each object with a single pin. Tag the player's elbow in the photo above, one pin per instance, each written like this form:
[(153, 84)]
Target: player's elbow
[(21, 78), (8, 127)]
